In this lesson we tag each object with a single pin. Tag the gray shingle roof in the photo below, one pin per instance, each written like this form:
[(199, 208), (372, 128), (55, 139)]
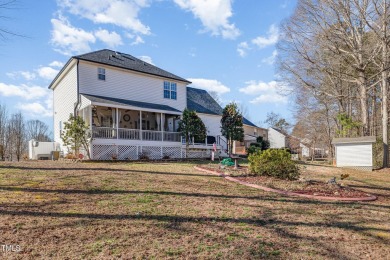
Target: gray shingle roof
[(201, 101), (126, 61), (124, 102), (364, 139)]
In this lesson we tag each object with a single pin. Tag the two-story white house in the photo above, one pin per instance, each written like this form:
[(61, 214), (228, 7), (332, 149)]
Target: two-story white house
[(131, 107)]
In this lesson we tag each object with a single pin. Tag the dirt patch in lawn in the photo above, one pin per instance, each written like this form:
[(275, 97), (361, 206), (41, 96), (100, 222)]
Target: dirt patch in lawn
[(305, 185)]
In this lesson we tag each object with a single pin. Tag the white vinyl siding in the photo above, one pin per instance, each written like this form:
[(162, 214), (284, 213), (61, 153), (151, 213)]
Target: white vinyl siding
[(212, 123), (126, 84), (350, 155), (276, 139), (64, 100)]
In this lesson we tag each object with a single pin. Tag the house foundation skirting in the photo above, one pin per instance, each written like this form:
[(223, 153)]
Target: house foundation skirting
[(136, 152)]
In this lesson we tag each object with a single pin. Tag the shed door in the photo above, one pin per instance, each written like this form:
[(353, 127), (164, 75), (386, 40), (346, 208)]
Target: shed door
[(354, 155)]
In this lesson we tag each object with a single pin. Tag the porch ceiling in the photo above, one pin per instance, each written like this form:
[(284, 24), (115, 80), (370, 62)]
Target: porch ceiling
[(129, 104)]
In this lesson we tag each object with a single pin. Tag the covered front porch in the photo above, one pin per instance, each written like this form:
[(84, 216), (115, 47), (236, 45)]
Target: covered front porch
[(113, 121)]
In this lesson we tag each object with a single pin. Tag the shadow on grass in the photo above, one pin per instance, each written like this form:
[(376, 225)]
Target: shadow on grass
[(129, 171), (354, 226), (276, 198)]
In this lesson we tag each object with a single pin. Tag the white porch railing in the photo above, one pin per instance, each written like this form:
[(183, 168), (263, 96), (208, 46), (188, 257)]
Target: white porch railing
[(134, 134), (151, 135), (172, 136), (128, 134), (104, 133)]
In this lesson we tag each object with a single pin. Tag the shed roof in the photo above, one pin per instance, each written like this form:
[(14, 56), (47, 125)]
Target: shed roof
[(354, 140), (125, 102)]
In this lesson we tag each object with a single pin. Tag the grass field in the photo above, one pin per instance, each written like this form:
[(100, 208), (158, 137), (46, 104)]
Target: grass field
[(170, 210)]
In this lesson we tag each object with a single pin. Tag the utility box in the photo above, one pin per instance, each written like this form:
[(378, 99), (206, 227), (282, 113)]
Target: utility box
[(354, 153), (42, 150)]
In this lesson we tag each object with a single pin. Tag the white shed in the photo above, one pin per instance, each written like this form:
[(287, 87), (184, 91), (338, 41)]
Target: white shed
[(354, 152)]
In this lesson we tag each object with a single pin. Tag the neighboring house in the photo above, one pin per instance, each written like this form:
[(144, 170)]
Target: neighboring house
[(251, 132), (211, 114), (132, 108), (276, 138)]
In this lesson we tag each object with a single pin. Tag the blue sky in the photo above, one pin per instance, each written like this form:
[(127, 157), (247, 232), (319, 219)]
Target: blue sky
[(220, 45)]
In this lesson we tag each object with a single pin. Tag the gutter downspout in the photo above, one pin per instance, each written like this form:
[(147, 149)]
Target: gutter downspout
[(78, 89)]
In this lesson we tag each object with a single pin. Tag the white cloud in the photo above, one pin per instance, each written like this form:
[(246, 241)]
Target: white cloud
[(269, 98), (209, 85), (138, 40), (24, 91), (112, 39), (242, 48), (24, 74), (68, 39), (47, 72), (122, 13), (214, 16), (147, 59), (271, 38), (35, 109), (266, 92), (271, 59), (57, 64)]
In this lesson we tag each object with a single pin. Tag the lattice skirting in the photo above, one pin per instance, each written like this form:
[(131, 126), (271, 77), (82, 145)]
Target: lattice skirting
[(135, 152)]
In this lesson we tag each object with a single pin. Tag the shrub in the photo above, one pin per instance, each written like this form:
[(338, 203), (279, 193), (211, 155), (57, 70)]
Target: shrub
[(273, 162), (253, 149)]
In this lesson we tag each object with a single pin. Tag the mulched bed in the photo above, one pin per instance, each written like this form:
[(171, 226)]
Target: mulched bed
[(301, 186)]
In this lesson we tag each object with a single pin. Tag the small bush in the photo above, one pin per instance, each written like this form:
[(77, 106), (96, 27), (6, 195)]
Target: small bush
[(253, 149), (275, 163)]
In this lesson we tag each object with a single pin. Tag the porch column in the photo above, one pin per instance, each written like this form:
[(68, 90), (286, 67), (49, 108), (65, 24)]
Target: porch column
[(162, 129), (117, 123), (140, 125)]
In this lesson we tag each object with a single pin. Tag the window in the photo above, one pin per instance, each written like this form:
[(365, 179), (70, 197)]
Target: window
[(173, 91), (101, 74), (167, 90), (170, 90)]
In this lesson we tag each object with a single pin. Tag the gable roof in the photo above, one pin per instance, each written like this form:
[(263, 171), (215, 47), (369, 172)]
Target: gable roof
[(201, 101), (126, 61), (280, 131), (344, 140), (125, 102)]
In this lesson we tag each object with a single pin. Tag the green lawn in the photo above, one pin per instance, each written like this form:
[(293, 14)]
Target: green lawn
[(170, 210)]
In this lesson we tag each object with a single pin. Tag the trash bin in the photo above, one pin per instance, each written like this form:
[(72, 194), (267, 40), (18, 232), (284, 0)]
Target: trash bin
[(55, 155)]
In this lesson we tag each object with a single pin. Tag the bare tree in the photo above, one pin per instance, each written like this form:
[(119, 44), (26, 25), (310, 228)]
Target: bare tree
[(276, 121), (37, 130), (216, 97), (6, 5), (3, 131), (327, 49), (244, 110), (17, 134)]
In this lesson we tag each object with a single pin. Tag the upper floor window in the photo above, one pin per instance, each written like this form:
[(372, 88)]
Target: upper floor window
[(170, 90), (101, 74)]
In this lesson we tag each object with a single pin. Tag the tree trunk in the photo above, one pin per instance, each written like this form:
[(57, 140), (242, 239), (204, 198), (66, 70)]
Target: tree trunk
[(363, 103), (385, 116)]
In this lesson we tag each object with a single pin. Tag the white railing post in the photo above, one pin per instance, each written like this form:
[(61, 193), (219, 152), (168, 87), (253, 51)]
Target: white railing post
[(117, 123), (162, 130), (140, 125)]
